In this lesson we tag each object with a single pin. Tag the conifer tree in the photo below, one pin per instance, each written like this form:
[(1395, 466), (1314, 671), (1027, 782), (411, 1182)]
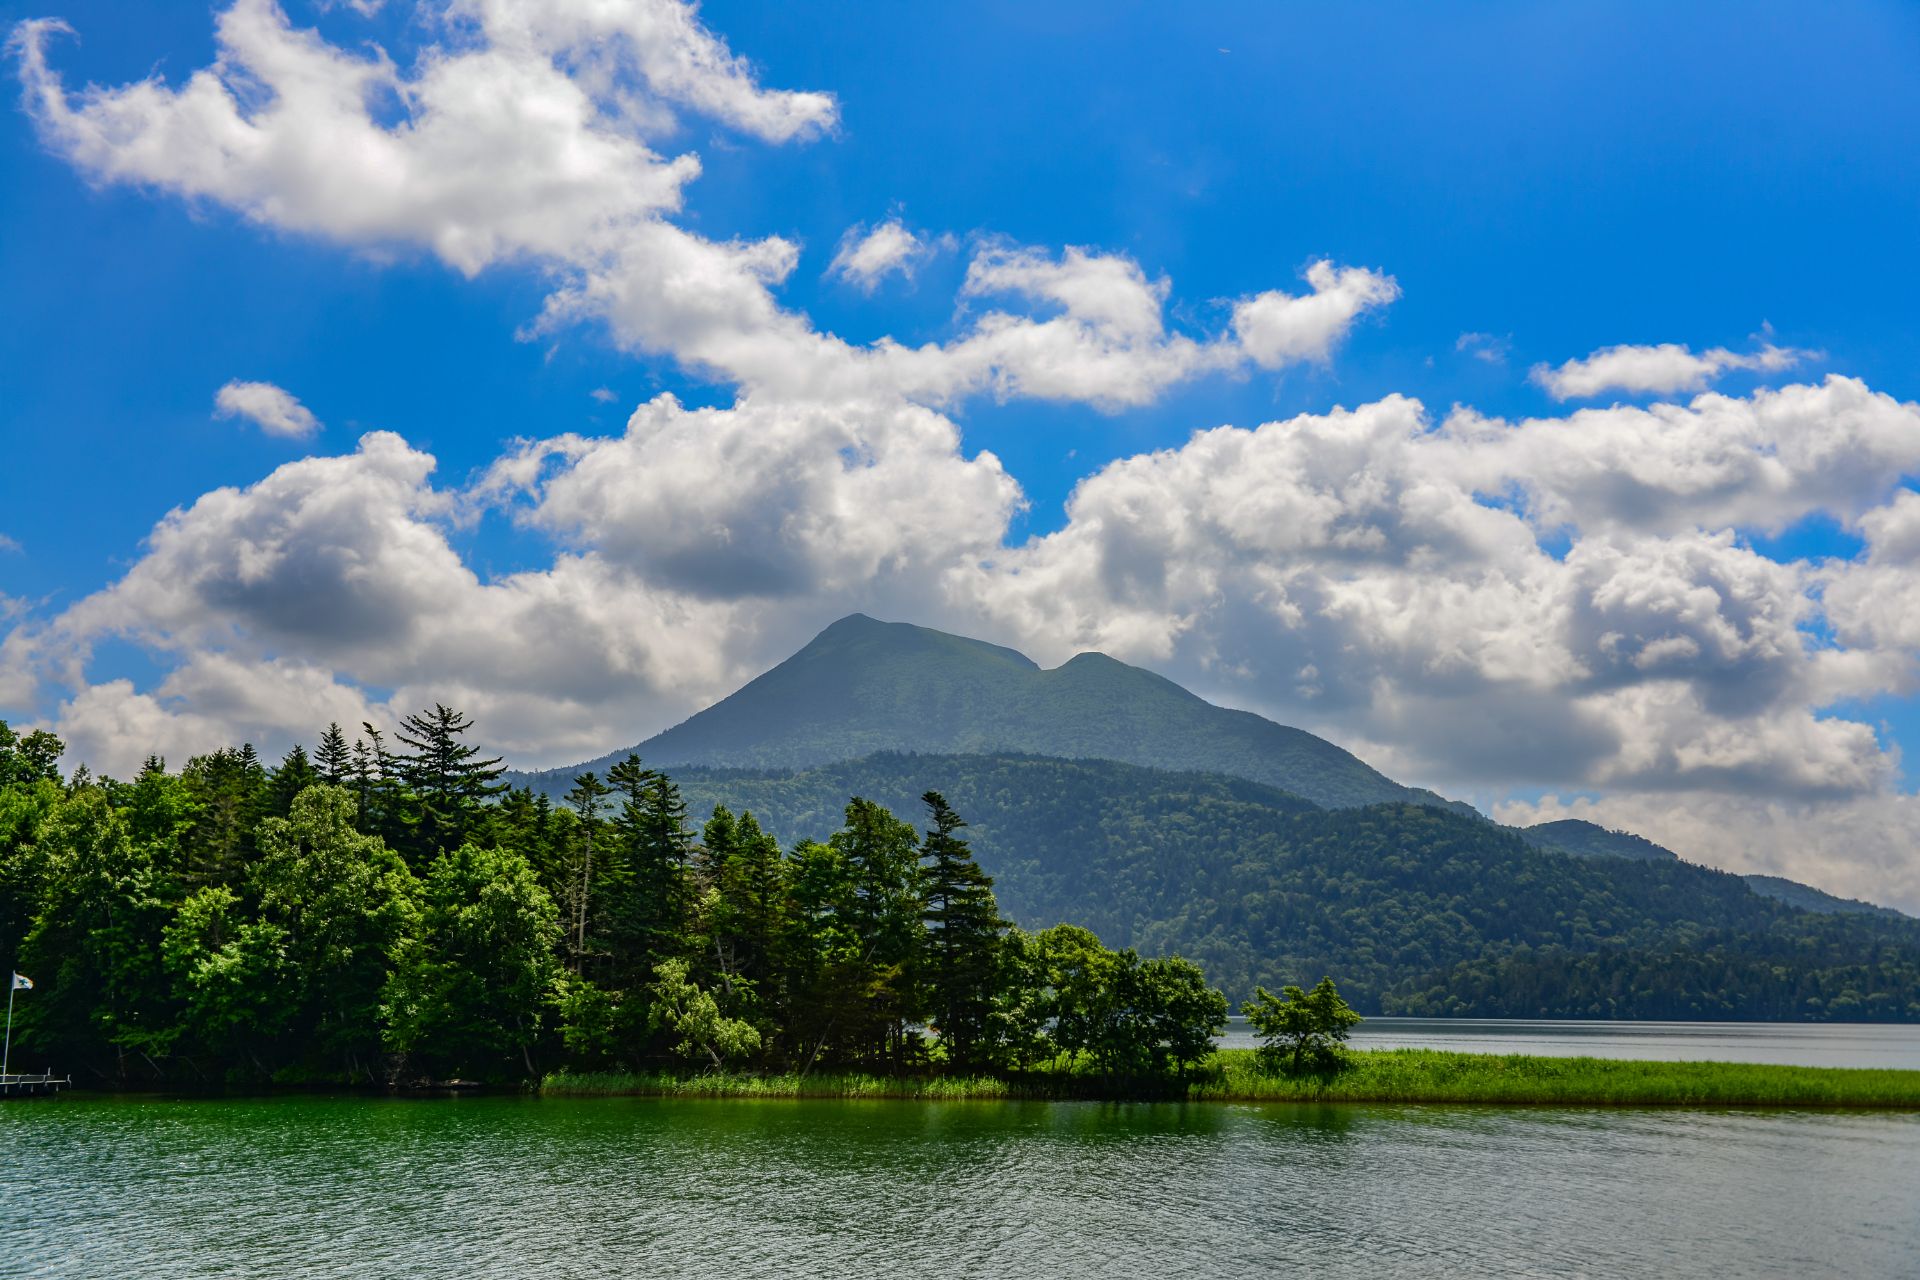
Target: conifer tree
[(587, 797), (295, 774), (449, 779), (376, 787), (750, 882), (657, 847), (882, 858), (229, 788), (964, 937), (333, 759)]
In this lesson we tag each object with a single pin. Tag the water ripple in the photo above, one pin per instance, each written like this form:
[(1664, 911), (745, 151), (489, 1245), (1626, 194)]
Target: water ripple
[(494, 1187)]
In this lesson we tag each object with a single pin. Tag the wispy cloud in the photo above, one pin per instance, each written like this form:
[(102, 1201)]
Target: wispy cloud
[(1484, 346), (1659, 370), (268, 407)]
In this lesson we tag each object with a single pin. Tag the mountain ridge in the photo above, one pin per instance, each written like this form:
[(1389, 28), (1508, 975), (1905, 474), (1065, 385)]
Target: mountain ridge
[(864, 686)]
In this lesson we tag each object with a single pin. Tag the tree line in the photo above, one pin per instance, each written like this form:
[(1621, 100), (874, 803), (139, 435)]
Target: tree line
[(1415, 908), (388, 910)]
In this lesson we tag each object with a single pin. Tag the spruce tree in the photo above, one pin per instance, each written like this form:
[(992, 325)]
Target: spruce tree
[(375, 783), (744, 905), (449, 779), (333, 759), (586, 799), (295, 774), (229, 788), (964, 937), (882, 858)]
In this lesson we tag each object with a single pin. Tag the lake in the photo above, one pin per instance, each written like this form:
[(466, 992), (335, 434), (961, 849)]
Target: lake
[(484, 1187)]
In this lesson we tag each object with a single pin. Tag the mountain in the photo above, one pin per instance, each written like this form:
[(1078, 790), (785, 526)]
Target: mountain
[(1413, 909), (1808, 898), (1106, 795), (1590, 840), (864, 686)]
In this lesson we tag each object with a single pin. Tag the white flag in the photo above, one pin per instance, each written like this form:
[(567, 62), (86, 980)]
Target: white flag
[(21, 982)]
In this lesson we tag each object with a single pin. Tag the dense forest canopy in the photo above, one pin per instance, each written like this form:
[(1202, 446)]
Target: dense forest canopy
[(369, 914), (388, 908), (1261, 887)]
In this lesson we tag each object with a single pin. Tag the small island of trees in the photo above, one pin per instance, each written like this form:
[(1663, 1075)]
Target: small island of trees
[(377, 914), (381, 917)]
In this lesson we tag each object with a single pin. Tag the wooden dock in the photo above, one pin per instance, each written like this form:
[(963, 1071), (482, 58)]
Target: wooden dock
[(40, 1086)]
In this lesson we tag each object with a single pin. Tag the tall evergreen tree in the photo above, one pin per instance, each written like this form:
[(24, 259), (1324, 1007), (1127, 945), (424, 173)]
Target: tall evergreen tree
[(657, 847), (883, 864), (333, 759), (295, 774), (229, 790), (587, 797), (375, 783), (747, 880), (964, 937), (449, 779)]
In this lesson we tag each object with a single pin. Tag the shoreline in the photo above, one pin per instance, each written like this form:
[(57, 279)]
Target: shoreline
[(1408, 1076)]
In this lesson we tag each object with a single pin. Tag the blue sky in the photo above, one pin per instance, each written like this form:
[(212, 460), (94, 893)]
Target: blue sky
[(1555, 179)]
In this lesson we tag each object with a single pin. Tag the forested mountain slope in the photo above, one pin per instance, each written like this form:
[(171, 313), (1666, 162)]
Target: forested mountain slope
[(1393, 900), (1590, 840), (863, 686), (1808, 898)]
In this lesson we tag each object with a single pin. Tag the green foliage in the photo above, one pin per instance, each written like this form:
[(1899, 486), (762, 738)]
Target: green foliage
[(693, 1018), (1432, 1076), (1302, 1031), (1132, 1018), (1392, 1076), (30, 759), (236, 923), (964, 938), (94, 947), (447, 779), (230, 969), (343, 902), (1260, 887), (473, 983)]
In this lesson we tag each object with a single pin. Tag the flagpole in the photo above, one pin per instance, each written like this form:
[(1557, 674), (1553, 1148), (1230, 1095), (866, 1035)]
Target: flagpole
[(6, 1054)]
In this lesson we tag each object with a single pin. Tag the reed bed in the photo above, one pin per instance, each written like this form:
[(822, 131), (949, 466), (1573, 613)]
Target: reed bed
[(1384, 1075), (1429, 1075)]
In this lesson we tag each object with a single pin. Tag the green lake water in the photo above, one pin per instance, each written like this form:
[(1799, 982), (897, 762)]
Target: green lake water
[(516, 1187)]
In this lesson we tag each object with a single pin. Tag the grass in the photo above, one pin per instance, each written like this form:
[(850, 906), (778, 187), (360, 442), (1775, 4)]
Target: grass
[(1386, 1075), (1429, 1075), (925, 1088)]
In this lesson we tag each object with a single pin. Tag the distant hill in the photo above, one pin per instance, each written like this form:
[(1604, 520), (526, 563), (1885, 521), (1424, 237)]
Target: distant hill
[(1410, 907), (1590, 840), (1808, 898), (864, 686)]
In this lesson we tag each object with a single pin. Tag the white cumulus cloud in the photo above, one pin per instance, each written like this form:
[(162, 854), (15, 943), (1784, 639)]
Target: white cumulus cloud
[(869, 255), (1277, 328), (1661, 370), (268, 407), (529, 136)]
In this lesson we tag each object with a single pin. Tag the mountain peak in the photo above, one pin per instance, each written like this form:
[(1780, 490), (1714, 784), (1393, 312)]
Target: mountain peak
[(1586, 839), (863, 685)]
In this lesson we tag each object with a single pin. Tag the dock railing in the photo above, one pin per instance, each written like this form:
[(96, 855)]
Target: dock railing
[(16, 1086)]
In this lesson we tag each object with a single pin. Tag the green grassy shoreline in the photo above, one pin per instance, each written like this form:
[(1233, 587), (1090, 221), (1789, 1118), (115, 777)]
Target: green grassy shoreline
[(1386, 1075)]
